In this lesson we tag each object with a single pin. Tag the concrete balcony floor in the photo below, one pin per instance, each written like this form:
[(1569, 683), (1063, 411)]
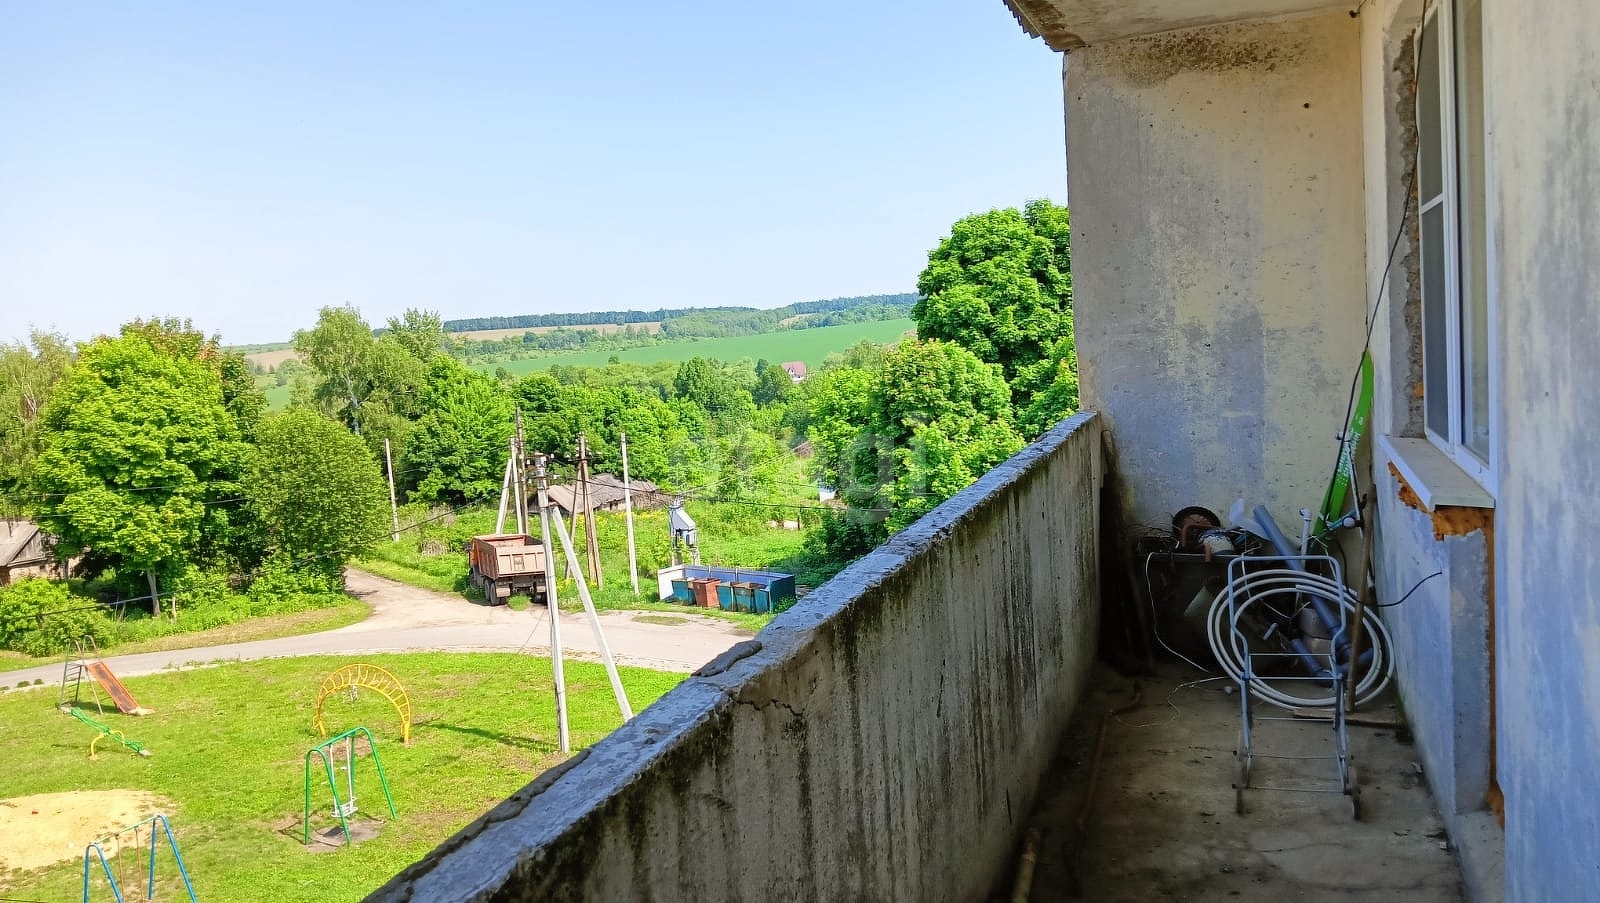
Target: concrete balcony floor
[(1162, 824)]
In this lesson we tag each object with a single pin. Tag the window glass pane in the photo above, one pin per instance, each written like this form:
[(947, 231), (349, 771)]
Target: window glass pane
[(1430, 156), (1473, 229), (1435, 300)]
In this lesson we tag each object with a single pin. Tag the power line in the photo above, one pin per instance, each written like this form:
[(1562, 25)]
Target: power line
[(257, 571)]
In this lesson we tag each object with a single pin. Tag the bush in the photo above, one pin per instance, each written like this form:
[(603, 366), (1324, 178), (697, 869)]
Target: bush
[(40, 617), (281, 587)]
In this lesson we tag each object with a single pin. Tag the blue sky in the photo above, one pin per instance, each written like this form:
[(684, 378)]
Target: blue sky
[(244, 164)]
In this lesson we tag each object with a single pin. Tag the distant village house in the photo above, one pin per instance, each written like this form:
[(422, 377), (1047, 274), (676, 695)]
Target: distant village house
[(795, 369), (25, 552), (606, 492)]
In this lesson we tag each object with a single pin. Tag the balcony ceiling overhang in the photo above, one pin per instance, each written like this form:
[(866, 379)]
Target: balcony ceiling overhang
[(1070, 24)]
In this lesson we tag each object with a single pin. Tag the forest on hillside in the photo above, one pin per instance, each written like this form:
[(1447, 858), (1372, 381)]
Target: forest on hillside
[(150, 458), (769, 319)]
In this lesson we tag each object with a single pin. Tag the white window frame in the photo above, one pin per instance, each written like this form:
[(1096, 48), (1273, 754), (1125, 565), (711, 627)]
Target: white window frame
[(1441, 26)]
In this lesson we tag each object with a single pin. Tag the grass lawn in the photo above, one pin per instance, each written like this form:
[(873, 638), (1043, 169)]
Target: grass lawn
[(808, 345), (266, 627), (228, 746)]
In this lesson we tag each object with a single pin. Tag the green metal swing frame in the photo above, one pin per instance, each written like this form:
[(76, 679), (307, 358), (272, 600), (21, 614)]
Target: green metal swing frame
[(345, 808)]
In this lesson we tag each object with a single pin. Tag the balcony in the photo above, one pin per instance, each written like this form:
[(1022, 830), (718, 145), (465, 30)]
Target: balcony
[(895, 737)]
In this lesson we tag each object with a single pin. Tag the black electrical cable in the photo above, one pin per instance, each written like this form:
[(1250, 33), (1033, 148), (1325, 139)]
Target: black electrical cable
[(1413, 589), (1399, 233), (256, 572)]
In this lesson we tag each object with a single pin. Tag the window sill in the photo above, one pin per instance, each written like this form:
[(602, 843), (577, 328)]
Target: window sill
[(1431, 474)]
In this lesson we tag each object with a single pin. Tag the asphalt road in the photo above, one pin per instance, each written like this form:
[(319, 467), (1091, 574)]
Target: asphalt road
[(407, 619)]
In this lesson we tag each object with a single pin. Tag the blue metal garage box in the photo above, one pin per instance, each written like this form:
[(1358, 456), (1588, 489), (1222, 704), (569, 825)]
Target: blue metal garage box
[(740, 589)]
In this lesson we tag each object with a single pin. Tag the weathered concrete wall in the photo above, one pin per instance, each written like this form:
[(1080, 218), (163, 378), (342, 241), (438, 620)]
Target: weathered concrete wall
[(1440, 638), (1218, 256), (1443, 631), (880, 741), (1542, 80), (1543, 85)]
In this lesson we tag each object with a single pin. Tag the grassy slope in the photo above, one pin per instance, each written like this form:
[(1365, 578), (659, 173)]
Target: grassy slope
[(228, 748), (809, 345)]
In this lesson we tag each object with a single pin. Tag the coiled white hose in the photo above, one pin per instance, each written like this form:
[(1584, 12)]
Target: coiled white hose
[(1259, 587)]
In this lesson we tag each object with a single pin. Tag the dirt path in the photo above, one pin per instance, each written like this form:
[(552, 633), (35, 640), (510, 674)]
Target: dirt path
[(407, 619)]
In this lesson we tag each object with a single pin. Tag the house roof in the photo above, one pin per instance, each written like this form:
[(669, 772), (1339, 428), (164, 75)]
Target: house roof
[(1070, 24), (15, 536), (794, 368), (606, 489)]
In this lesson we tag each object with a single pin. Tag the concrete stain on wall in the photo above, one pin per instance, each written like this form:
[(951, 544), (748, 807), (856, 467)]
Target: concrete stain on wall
[(1150, 61)]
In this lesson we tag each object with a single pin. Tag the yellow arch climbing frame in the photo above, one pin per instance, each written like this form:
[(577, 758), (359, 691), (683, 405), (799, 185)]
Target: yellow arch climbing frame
[(360, 675)]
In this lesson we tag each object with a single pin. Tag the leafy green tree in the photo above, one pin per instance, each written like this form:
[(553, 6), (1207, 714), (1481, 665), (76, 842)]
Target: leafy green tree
[(420, 332), (1000, 285), (749, 463), (178, 338), (946, 419), (553, 414), (29, 374), (368, 384), (838, 418), (705, 383), (901, 439), (1051, 387), (141, 458), (316, 490), (773, 385), (457, 449)]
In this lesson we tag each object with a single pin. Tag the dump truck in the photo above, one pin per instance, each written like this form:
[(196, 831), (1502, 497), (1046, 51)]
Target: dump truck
[(508, 564)]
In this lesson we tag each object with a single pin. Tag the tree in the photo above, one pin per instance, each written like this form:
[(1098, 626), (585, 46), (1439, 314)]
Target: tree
[(1051, 385), (29, 374), (837, 420), (316, 489), (420, 332), (457, 449), (773, 385), (554, 414), (704, 383), (368, 384), (899, 440), (141, 458), (1000, 285)]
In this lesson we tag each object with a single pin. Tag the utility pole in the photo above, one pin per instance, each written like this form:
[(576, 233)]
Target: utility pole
[(505, 488), (541, 482), (627, 508), (519, 478), (591, 540), (394, 511), (594, 619)]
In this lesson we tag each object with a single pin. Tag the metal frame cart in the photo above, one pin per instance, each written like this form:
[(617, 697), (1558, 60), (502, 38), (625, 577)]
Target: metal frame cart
[(1272, 602)]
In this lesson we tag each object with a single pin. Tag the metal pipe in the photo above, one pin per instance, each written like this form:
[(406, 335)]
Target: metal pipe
[(1081, 826)]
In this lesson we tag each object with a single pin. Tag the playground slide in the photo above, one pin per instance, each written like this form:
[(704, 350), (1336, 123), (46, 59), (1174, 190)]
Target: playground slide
[(119, 694)]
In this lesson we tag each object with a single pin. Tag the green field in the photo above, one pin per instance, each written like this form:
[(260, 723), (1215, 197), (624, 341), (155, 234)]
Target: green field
[(228, 748), (808, 345)]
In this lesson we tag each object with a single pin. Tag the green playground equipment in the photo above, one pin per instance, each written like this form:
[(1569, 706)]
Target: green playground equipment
[(97, 850), (107, 730), (346, 808)]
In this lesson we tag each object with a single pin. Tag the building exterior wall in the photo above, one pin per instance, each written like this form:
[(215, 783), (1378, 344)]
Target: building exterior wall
[(1216, 192), (1442, 632), (1543, 94), (880, 741), (1500, 649)]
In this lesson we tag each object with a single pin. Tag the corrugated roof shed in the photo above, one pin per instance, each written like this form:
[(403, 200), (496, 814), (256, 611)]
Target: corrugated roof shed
[(606, 491)]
